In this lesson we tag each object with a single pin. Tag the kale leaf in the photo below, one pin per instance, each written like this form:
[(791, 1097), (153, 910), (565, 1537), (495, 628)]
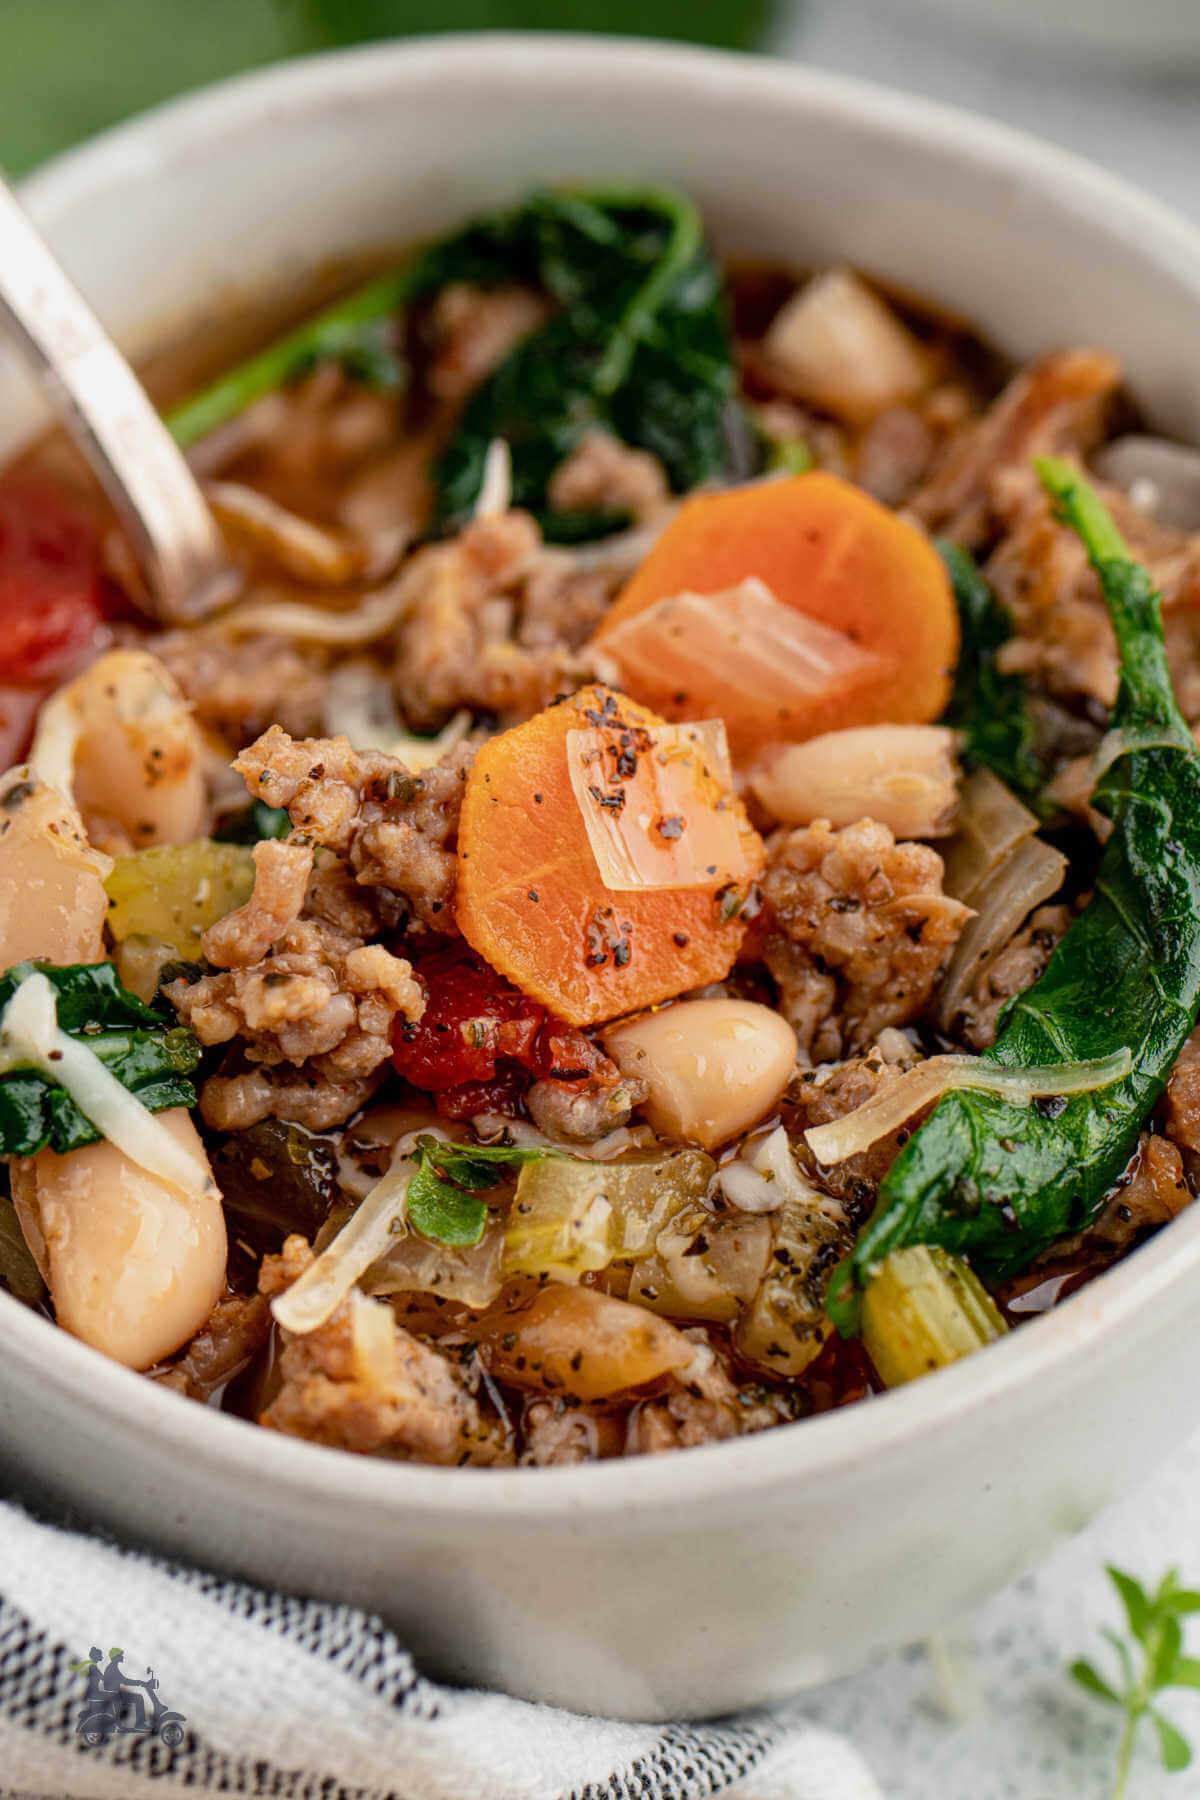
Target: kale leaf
[(149, 1058), (1001, 1182), (357, 331), (990, 708), (637, 344), (443, 1196)]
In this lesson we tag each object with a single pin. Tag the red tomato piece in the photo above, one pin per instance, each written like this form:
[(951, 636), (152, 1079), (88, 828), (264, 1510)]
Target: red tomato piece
[(52, 589), (473, 1019), (503, 1095), (481, 1040)]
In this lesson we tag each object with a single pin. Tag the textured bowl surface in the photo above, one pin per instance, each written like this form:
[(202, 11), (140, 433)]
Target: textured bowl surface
[(685, 1584)]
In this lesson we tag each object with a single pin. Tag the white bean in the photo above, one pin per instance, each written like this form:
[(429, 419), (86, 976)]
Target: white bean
[(52, 898), (713, 1067), (133, 1265), (123, 739), (903, 776)]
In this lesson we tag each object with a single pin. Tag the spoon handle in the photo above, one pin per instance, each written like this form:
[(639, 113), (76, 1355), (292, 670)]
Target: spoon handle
[(102, 403)]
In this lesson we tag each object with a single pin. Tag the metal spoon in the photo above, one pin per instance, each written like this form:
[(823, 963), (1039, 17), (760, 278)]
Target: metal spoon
[(102, 403)]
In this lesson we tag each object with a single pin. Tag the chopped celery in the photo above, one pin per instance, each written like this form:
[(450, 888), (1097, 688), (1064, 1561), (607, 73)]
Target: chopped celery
[(784, 1326), (18, 1270), (923, 1308), (176, 891), (570, 1217)]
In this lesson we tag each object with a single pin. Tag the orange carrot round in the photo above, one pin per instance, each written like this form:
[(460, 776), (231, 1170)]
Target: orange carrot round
[(531, 898), (822, 547)]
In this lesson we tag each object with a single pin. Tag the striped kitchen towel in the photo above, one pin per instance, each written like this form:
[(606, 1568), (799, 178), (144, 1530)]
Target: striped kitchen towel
[(123, 1676)]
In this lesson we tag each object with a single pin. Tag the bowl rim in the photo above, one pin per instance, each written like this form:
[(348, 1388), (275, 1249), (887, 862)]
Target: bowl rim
[(639, 1488)]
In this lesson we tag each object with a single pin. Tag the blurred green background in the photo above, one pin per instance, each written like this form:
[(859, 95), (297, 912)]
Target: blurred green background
[(70, 67)]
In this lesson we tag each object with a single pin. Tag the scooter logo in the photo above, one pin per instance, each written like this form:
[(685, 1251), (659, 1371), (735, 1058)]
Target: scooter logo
[(119, 1704)]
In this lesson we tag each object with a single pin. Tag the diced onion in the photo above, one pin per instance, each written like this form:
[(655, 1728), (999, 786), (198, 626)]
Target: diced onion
[(30, 1038), (55, 743), (471, 1276), (1003, 902), (904, 776), (703, 1267), (991, 824), (919, 1087), (377, 1222), (372, 616), (671, 821), (358, 706), (762, 647), (303, 549), (620, 554), (765, 1177), (837, 345)]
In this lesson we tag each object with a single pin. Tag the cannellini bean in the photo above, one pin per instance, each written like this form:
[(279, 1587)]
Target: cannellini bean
[(122, 738), (574, 1340), (903, 776), (838, 346), (713, 1067), (52, 898), (133, 1265)]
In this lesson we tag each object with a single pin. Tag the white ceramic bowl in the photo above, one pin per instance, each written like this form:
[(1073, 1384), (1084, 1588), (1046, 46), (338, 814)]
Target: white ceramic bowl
[(694, 1583)]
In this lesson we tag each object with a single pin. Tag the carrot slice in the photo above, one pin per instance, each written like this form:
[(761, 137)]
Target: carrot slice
[(531, 897), (822, 547)]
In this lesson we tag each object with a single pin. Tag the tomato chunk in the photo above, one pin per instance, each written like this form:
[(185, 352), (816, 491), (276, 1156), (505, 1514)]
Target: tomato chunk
[(52, 588), (481, 1041)]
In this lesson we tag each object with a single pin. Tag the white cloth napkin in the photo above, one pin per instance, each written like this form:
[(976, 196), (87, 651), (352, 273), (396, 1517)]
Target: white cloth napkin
[(303, 1699)]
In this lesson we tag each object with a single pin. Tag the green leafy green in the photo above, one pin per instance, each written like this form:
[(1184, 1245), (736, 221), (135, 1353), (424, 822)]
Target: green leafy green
[(990, 708), (1155, 1642), (250, 824), (131, 1039), (1000, 1182), (636, 344), (356, 331), (443, 1196)]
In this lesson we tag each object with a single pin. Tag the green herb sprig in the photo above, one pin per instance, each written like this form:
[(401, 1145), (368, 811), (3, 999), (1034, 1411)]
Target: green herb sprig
[(1150, 1659), (443, 1195)]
